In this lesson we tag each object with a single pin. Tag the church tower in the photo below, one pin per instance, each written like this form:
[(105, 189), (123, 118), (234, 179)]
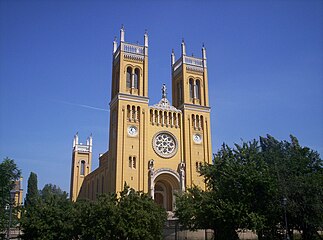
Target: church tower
[(128, 110), (190, 95), (81, 164)]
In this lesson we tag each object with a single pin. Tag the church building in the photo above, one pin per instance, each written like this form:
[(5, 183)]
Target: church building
[(158, 148)]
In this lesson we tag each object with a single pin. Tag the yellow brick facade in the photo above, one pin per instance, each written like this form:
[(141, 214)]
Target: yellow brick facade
[(153, 148)]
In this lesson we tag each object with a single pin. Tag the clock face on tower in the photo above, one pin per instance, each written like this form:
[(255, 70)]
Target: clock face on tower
[(132, 131), (197, 138), (165, 144)]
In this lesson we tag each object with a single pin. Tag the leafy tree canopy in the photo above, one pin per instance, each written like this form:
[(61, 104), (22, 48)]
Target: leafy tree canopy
[(133, 215), (245, 188)]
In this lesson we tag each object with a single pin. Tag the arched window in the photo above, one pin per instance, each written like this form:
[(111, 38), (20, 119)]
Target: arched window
[(134, 113), (136, 78), (156, 116), (128, 113), (151, 116), (198, 89), (191, 88), (201, 122), (82, 170), (138, 114), (129, 72)]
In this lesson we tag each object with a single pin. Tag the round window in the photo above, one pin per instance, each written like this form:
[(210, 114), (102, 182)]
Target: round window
[(165, 144)]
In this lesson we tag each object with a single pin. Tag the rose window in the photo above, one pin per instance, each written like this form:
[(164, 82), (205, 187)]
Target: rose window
[(165, 144)]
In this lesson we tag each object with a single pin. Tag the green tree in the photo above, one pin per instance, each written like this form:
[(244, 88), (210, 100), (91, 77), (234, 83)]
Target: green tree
[(32, 195), (9, 173), (235, 182), (51, 218), (133, 215), (298, 172), (245, 188), (140, 216)]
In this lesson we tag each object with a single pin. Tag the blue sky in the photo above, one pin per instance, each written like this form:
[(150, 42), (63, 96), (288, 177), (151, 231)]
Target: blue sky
[(265, 62)]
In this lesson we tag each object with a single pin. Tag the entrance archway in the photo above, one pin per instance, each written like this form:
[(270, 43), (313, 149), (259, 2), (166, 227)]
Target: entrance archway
[(166, 185)]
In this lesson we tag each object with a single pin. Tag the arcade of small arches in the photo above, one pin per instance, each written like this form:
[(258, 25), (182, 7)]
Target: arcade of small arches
[(165, 118), (197, 122), (133, 113)]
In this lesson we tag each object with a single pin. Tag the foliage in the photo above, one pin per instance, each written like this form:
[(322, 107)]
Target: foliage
[(9, 173), (298, 172), (245, 188), (32, 195), (51, 218), (133, 215)]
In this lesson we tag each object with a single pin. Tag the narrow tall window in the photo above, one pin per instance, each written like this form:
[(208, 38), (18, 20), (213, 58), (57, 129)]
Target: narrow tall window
[(82, 170), (138, 114), (179, 89), (134, 163), (136, 79), (134, 113), (191, 88), (130, 161), (129, 72), (198, 89)]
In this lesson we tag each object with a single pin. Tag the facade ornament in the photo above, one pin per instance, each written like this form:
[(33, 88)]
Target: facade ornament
[(164, 104), (151, 172), (164, 89), (182, 175)]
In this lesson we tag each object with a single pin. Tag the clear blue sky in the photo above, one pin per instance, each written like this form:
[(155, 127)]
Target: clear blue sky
[(265, 61)]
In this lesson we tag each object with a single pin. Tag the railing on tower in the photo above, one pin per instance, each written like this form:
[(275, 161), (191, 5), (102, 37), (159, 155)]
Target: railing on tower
[(132, 48), (193, 61)]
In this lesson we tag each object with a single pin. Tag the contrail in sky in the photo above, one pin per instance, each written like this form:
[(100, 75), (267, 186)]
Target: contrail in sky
[(83, 106)]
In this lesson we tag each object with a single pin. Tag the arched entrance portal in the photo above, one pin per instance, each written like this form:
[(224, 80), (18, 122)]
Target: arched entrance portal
[(166, 184)]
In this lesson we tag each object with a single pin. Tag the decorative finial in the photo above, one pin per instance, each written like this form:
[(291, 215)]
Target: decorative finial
[(173, 57), (164, 93), (122, 33), (203, 44), (183, 47)]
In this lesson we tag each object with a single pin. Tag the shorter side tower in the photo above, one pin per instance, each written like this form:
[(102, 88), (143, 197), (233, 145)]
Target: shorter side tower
[(81, 164)]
